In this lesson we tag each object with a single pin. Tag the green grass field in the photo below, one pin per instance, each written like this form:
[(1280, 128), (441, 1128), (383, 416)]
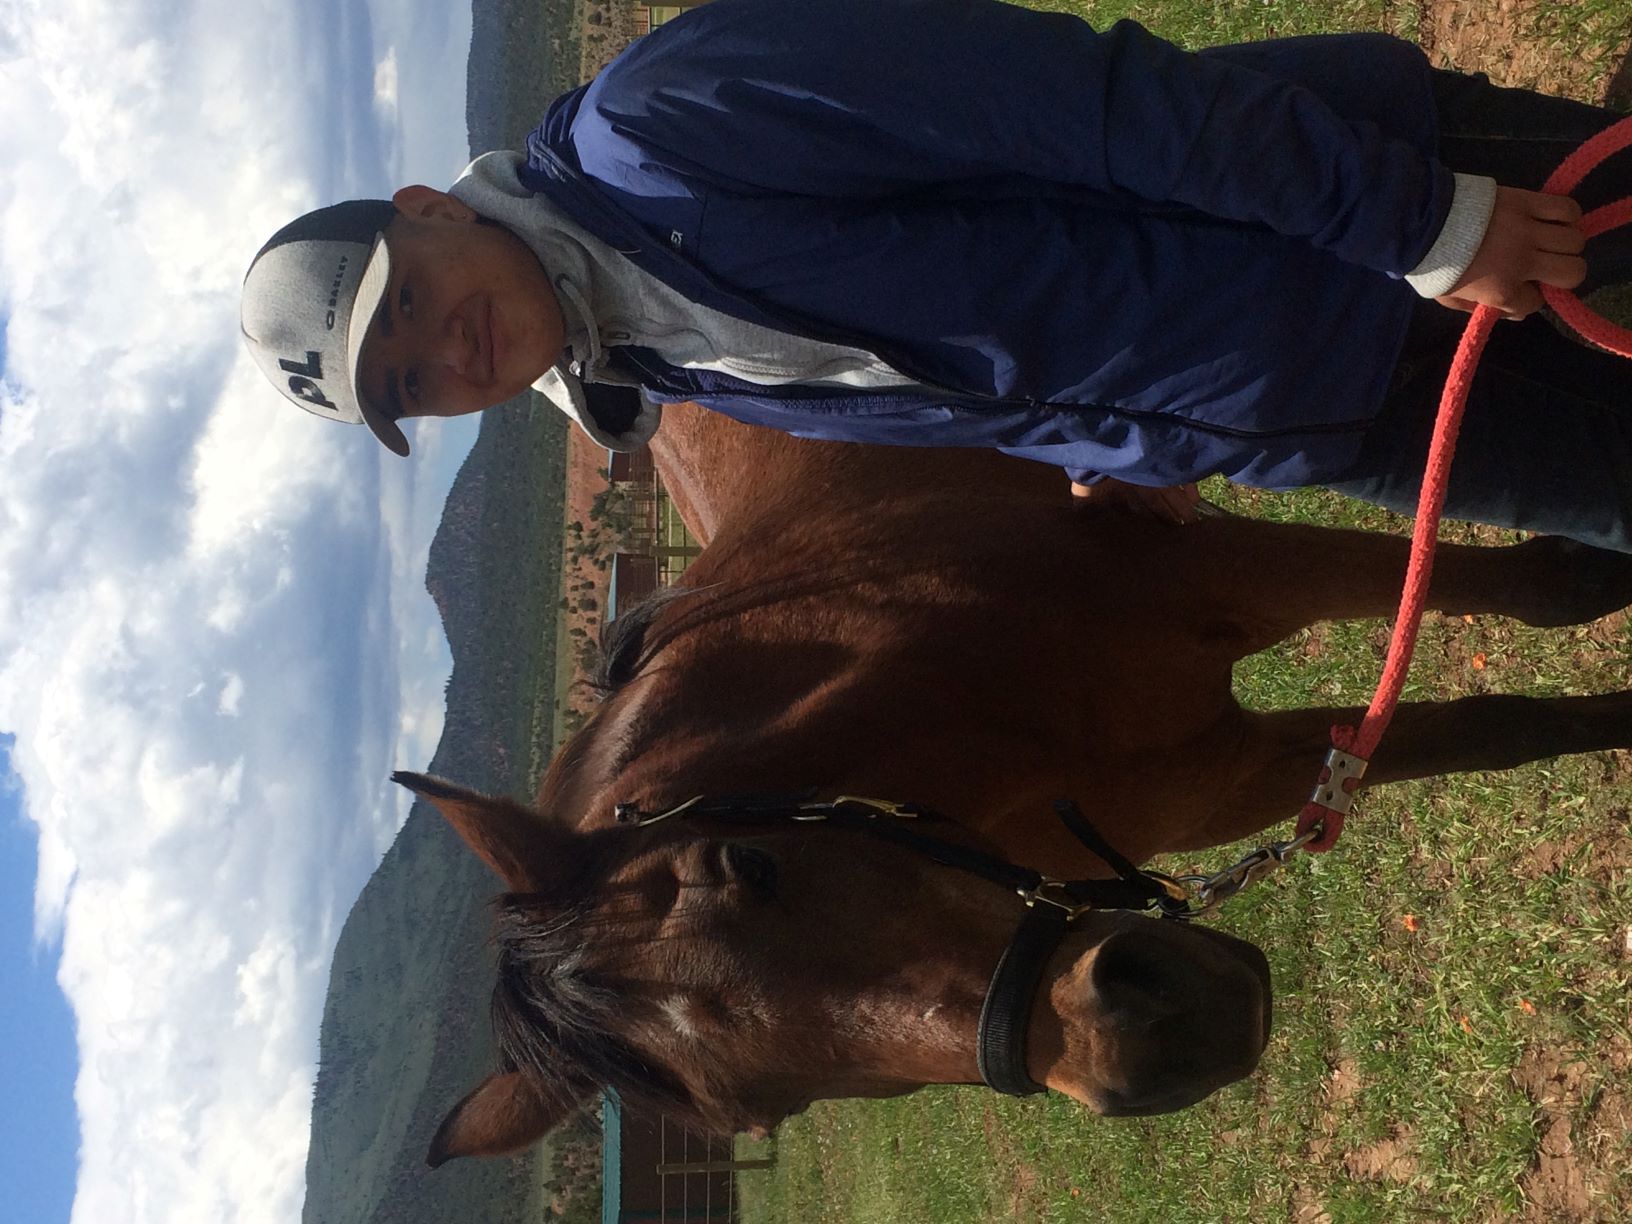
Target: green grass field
[(1454, 1021)]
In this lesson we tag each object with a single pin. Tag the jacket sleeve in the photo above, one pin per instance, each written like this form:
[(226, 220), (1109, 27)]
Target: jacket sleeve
[(869, 98)]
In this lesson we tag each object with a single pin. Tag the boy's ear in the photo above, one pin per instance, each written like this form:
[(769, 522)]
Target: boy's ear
[(421, 203)]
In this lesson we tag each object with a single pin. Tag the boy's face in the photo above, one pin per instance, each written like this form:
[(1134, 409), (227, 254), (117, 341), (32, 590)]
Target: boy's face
[(469, 318)]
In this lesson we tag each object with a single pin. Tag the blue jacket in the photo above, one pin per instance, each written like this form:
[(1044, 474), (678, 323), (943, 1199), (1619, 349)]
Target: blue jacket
[(1099, 250)]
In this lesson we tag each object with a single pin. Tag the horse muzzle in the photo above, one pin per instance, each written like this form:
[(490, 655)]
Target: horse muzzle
[(1178, 1011)]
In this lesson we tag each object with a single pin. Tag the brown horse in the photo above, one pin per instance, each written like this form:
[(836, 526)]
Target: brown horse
[(731, 975), (944, 628)]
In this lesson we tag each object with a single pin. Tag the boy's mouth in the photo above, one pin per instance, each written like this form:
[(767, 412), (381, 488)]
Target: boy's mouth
[(492, 345)]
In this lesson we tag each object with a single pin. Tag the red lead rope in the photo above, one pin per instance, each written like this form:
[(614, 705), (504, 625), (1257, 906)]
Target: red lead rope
[(1353, 747)]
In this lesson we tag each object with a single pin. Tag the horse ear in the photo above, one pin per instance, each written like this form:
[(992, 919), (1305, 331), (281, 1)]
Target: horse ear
[(519, 845), (504, 1114)]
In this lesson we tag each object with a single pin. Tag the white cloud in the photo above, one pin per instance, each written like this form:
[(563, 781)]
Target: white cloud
[(232, 695), (214, 639), (385, 85)]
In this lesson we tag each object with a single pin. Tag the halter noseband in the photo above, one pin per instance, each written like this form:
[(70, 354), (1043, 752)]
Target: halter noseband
[(1051, 905)]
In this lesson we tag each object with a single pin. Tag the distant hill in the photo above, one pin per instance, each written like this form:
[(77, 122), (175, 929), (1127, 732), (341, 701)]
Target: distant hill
[(522, 54), (405, 1030)]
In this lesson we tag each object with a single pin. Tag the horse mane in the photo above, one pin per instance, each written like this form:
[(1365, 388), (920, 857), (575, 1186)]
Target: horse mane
[(622, 652), (623, 640), (628, 643)]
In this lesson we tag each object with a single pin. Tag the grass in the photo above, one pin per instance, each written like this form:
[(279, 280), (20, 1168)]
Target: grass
[(1593, 29), (1206, 23), (1453, 982)]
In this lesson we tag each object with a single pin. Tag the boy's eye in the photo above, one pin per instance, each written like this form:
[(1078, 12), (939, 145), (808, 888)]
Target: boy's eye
[(410, 384), (405, 302)]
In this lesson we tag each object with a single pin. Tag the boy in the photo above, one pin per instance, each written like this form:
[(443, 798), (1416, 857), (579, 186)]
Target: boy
[(957, 222)]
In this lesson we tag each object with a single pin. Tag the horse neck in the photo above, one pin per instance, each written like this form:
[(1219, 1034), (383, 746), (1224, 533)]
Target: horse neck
[(716, 469), (719, 471)]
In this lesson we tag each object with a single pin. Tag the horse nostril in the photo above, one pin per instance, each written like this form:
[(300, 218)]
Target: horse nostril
[(1134, 980), (1178, 1014)]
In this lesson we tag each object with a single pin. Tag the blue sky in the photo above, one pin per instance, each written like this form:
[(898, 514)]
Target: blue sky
[(215, 643), (37, 1110)]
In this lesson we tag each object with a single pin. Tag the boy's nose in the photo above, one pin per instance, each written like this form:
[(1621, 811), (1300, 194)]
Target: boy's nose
[(456, 346)]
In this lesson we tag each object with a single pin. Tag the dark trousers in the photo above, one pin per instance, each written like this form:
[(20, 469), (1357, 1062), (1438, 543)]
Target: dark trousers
[(1546, 440)]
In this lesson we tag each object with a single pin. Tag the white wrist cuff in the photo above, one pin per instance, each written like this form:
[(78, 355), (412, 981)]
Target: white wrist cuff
[(1459, 240)]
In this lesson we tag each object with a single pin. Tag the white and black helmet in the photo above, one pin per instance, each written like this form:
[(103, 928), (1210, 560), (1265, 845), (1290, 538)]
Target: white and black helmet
[(309, 296)]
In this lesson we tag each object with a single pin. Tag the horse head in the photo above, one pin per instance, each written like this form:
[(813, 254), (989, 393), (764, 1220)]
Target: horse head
[(731, 973)]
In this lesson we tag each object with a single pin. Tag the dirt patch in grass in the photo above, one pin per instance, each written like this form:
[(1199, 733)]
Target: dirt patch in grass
[(1597, 854), (1393, 1159), (1307, 1207), (1316, 642), (1557, 1188), (1340, 1092), (1607, 1135), (1580, 1149), (1343, 1084), (1617, 767), (1022, 1189), (1508, 40), (1606, 1132), (1027, 1197)]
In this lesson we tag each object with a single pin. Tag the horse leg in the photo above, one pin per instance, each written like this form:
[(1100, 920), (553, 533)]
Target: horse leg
[(1279, 753), (1271, 582)]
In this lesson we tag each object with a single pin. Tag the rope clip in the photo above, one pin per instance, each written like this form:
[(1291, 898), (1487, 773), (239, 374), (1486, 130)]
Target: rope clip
[(1339, 779)]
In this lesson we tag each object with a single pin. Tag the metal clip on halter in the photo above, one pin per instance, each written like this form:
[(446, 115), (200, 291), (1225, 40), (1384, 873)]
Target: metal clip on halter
[(875, 807), (1049, 891), (1177, 903), (1212, 891), (631, 814)]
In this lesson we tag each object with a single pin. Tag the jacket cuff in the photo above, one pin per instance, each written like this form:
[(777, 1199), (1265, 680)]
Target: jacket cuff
[(1458, 240)]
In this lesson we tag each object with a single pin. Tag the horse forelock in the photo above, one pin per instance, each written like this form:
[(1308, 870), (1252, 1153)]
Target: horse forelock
[(573, 1009), (559, 1017)]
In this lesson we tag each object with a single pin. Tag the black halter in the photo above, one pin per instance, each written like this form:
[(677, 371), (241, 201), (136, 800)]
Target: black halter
[(1051, 905)]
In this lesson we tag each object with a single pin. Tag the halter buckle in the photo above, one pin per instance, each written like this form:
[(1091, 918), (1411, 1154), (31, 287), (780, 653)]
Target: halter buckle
[(878, 807), (631, 813), (1049, 891)]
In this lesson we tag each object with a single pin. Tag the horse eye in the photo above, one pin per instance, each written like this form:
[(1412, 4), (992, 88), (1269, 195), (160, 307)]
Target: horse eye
[(752, 867)]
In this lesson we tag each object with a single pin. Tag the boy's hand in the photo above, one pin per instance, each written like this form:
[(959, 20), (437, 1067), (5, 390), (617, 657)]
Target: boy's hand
[(1532, 237), (1176, 504)]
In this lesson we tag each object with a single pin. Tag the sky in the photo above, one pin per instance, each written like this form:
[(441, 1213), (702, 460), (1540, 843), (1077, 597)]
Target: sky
[(215, 642)]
